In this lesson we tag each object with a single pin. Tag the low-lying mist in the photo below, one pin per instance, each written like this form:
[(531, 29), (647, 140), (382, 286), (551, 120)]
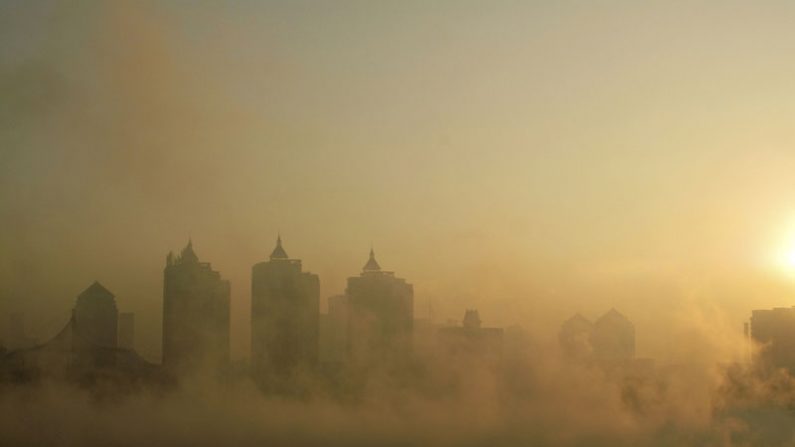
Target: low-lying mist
[(534, 396)]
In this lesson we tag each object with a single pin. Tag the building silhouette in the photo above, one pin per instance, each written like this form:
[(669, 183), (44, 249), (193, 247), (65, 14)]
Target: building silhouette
[(774, 330), (84, 351), (380, 316), (285, 312), (613, 339), (609, 342), (470, 341), (96, 317), (195, 314)]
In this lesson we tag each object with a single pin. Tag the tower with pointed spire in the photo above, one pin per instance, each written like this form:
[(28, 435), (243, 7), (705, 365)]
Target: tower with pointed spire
[(285, 314), (372, 264), (278, 251), (196, 313), (380, 316)]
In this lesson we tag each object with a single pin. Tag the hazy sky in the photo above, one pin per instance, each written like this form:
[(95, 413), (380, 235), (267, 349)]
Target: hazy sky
[(530, 159)]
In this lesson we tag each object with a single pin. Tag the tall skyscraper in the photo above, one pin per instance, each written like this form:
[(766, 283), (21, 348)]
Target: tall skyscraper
[(195, 313), (285, 313), (380, 316)]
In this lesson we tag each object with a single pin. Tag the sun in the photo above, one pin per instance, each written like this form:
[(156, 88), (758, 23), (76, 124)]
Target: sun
[(785, 255), (787, 259)]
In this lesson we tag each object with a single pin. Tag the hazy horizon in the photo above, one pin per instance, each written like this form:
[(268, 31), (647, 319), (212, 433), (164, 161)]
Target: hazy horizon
[(529, 159)]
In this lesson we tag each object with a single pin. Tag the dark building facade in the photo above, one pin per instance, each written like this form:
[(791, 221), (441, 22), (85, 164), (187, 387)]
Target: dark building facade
[(285, 313), (84, 351), (96, 317), (195, 314), (380, 316)]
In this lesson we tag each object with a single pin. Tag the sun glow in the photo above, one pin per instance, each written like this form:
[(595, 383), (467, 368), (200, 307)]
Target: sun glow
[(785, 255), (787, 259)]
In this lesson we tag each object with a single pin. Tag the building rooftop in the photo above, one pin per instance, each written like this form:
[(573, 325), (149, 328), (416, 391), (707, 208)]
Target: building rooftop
[(372, 264), (278, 252)]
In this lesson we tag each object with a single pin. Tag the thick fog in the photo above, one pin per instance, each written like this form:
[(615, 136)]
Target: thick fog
[(537, 398), (528, 160)]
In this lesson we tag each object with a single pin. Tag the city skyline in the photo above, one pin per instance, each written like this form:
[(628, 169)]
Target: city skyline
[(241, 350), (659, 181)]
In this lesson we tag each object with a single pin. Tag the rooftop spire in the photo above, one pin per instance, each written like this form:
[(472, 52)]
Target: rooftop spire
[(188, 253), (372, 264), (278, 252)]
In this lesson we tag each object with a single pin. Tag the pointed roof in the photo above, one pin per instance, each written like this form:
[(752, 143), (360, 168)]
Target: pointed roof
[(188, 253), (96, 296), (372, 264), (278, 252), (97, 289)]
